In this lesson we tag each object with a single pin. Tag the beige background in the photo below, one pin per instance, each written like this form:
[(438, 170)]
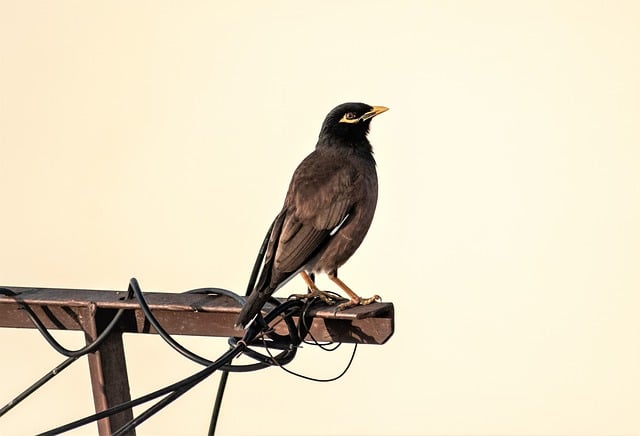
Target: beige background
[(156, 140)]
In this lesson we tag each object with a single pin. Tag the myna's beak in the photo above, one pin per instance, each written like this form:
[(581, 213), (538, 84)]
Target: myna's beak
[(375, 110)]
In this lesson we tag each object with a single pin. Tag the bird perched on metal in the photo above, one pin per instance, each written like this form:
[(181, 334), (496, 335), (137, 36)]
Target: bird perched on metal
[(327, 211)]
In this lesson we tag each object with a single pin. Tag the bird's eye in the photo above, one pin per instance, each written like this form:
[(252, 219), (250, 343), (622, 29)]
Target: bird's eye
[(350, 116)]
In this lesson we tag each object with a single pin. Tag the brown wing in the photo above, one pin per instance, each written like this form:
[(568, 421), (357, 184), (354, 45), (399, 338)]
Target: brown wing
[(319, 199)]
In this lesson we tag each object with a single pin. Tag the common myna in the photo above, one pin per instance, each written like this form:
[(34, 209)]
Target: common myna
[(327, 211)]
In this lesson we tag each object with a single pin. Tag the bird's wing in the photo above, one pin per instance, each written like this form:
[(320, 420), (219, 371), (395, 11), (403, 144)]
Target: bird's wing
[(318, 202)]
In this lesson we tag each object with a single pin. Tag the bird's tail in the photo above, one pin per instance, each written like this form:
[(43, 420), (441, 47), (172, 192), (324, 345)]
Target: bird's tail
[(254, 304)]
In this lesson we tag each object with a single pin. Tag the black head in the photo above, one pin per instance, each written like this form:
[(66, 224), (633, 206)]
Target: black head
[(348, 125)]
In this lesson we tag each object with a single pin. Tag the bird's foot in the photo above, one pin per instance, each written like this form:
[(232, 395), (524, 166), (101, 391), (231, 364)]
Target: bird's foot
[(329, 298), (359, 301)]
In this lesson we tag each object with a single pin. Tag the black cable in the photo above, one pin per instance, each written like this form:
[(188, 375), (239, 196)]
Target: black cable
[(189, 381), (321, 380), (177, 389), (8, 292), (258, 334), (305, 329), (135, 288), (302, 329), (225, 372), (216, 407), (259, 258), (128, 427), (184, 386), (57, 346), (34, 387), (72, 355), (218, 291)]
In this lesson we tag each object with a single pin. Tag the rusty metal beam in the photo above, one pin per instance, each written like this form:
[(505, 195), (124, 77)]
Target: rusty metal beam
[(108, 370), (184, 314)]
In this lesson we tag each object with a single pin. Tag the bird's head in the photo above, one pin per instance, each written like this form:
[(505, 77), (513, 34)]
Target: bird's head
[(348, 124)]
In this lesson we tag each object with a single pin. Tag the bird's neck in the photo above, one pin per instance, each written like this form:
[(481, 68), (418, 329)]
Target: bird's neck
[(356, 146)]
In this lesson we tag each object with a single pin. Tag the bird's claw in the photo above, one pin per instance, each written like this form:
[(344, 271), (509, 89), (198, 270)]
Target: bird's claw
[(328, 298), (358, 302)]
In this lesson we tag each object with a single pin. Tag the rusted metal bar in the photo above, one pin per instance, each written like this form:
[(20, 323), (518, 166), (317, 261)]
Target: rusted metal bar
[(185, 314), (108, 370)]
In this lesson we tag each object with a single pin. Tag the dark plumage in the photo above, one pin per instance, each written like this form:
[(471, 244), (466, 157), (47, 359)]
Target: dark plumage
[(327, 211)]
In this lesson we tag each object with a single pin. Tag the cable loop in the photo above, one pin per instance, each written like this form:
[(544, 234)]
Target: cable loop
[(261, 333)]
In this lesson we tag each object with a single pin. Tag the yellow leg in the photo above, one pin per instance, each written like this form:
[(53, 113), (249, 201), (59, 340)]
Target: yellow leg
[(354, 299), (326, 297), (310, 284)]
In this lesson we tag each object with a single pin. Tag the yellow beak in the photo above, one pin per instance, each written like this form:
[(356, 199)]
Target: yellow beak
[(375, 110)]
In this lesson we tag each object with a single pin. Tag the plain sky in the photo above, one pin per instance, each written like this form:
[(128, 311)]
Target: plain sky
[(156, 140)]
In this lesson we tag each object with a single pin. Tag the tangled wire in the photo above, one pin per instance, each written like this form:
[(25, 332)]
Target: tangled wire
[(259, 334)]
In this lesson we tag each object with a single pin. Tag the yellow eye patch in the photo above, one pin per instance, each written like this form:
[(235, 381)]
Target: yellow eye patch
[(350, 117)]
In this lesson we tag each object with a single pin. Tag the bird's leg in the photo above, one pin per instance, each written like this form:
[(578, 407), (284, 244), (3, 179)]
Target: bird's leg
[(326, 297), (354, 299)]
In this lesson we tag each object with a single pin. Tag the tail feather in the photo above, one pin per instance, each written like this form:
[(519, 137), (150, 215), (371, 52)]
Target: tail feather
[(252, 307), (263, 289)]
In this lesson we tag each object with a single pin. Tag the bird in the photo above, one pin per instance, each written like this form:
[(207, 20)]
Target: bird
[(327, 212)]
